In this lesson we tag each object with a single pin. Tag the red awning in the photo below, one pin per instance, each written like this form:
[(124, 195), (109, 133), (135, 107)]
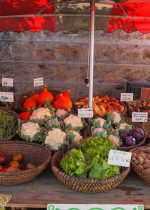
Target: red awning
[(135, 16), (10, 19)]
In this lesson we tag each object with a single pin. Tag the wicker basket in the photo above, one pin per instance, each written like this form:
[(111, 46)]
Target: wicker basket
[(140, 173), (34, 153), (85, 185), (21, 99), (15, 115)]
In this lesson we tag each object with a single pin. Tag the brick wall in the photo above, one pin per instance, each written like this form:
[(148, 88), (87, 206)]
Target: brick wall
[(61, 58)]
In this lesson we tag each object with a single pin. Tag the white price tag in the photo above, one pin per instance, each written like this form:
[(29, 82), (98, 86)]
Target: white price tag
[(95, 207), (126, 97), (8, 82), (38, 82), (7, 97), (119, 158), (139, 116), (85, 113)]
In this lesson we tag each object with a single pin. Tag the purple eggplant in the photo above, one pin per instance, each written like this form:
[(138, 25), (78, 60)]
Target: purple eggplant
[(123, 136), (138, 134)]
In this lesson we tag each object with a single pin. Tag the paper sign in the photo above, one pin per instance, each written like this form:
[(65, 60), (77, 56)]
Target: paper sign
[(119, 158), (85, 113), (7, 97), (126, 97), (8, 82), (95, 207), (139, 116), (38, 82)]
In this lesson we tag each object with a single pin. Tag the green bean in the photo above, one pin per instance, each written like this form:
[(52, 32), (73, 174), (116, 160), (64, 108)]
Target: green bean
[(8, 123)]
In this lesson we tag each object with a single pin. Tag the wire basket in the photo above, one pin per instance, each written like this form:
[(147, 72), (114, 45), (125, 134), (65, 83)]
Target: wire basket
[(35, 153)]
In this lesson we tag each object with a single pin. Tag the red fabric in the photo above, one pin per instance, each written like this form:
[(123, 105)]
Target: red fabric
[(140, 8), (24, 7)]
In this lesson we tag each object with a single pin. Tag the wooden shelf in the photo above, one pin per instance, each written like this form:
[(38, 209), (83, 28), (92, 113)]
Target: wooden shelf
[(47, 189)]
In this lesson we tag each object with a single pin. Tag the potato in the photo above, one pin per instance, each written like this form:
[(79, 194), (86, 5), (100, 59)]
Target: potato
[(140, 160), (140, 167), (146, 171)]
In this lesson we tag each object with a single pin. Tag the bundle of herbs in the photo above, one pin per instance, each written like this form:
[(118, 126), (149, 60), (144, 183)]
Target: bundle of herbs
[(8, 123)]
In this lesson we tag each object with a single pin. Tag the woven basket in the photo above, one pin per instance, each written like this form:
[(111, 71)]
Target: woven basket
[(85, 185), (14, 132), (140, 173), (33, 153), (21, 99)]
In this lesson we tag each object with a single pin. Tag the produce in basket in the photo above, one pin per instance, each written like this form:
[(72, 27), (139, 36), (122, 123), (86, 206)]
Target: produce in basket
[(91, 160), (117, 130), (8, 123), (139, 105), (39, 99), (15, 164), (141, 159), (54, 132), (102, 105)]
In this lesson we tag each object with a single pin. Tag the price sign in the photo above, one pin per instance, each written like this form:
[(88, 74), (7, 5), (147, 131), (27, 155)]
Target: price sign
[(95, 207), (38, 82), (85, 113), (7, 97), (119, 158), (126, 97), (8, 82), (139, 116)]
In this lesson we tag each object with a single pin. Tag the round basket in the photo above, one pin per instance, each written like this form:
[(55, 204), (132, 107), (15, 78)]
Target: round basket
[(21, 99), (139, 172), (34, 153), (82, 184), (10, 137)]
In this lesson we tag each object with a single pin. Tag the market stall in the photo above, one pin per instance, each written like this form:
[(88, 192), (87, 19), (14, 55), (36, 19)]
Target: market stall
[(51, 129)]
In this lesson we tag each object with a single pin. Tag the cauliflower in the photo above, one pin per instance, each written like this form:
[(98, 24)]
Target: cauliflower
[(115, 140), (41, 114), (99, 132), (125, 127), (74, 121), (55, 139), (61, 113), (99, 122), (29, 130), (114, 117), (52, 123), (74, 136)]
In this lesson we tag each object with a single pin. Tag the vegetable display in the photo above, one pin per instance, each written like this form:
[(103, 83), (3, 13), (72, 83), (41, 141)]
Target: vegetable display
[(141, 158), (117, 130), (8, 123), (102, 105), (40, 99), (54, 128), (139, 105), (15, 164), (91, 160)]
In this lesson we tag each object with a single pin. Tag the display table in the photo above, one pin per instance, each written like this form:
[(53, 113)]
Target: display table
[(47, 189)]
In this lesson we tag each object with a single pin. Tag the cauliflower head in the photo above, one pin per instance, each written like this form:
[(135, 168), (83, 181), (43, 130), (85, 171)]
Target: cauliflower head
[(115, 140), (99, 122), (99, 132), (41, 114), (74, 136), (114, 117), (61, 113), (55, 139), (29, 130), (74, 121)]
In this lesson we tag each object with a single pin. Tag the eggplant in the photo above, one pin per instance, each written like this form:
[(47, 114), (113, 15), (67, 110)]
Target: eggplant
[(130, 141)]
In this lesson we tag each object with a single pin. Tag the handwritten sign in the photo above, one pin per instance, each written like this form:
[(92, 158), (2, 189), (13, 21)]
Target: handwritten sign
[(7, 82), (139, 116), (7, 97), (126, 97), (95, 207), (119, 158), (38, 82), (85, 113)]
